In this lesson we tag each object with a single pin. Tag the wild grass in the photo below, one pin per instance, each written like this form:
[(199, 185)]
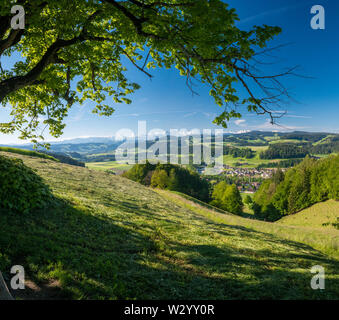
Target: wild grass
[(110, 165), (320, 215), (29, 153), (106, 237), (322, 239)]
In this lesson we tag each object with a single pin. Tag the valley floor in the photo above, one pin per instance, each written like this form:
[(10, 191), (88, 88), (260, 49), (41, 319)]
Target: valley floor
[(106, 237)]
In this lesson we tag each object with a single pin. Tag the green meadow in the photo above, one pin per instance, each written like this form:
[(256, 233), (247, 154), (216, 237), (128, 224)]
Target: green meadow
[(109, 165), (106, 237), (324, 214)]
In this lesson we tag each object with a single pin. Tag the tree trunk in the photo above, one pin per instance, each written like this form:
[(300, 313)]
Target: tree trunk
[(4, 293)]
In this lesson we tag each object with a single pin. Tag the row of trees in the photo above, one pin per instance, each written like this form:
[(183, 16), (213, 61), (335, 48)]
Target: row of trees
[(284, 151), (171, 177), (331, 146), (187, 180), (300, 150), (238, 152), (227, 197), (310, 182), (280, 164), (304, 136)]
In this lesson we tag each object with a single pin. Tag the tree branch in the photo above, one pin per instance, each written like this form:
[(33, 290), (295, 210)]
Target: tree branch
[(15, 83), (137, 22)]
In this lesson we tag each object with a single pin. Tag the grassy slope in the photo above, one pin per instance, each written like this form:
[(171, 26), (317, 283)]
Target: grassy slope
[(322, 239), (28, 153), (110, 165), (112, 238), (318, 216)]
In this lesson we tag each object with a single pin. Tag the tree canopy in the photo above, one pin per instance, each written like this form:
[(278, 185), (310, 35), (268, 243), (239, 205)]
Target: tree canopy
[(170, 177), (72, 51), (227, 197), (309, 182)]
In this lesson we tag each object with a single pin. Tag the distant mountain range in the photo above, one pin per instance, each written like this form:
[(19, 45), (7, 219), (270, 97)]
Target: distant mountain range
[(102, 148)]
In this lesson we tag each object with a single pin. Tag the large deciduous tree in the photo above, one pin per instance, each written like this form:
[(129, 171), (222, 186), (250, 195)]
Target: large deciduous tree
[(71, 51)]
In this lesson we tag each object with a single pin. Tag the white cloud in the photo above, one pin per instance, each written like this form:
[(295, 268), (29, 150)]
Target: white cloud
[(184, 132), (242, 131), (237, 131), (240, 122), (209, 114), (191, 114), (127, 115), (295, 116)]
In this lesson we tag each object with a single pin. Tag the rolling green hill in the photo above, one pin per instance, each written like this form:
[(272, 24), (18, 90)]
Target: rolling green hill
[(107, 237), (320, 215), (27, 153), (99, 153)]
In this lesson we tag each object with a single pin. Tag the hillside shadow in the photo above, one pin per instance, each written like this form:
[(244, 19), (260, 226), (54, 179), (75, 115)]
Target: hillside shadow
[(68, 253), (255, 234)]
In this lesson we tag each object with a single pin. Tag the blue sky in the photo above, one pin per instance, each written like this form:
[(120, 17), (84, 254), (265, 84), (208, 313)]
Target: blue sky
[(165, 102)]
